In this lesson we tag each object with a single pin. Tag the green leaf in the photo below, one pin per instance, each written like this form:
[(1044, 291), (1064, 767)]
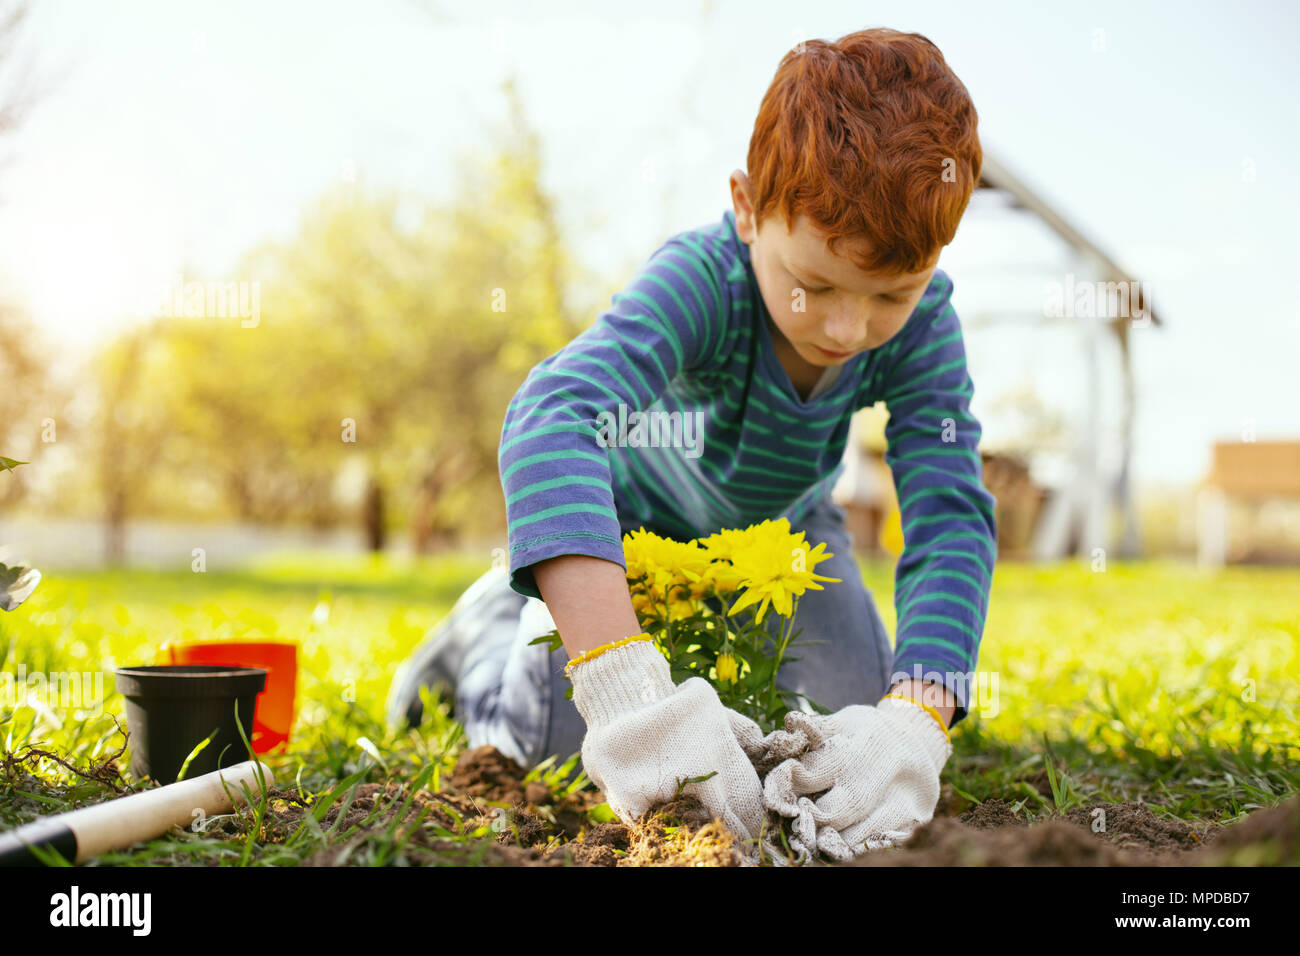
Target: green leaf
[(682, 784), (819, 708), (198, 749), (16, 585), (695, 658), (48, 855), (366, 744), (8, 463), (602, 813), (762, 669), (553, 640)]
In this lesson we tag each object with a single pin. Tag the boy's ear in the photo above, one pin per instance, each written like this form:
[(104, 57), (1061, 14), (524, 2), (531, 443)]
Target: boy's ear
[(744, 207)]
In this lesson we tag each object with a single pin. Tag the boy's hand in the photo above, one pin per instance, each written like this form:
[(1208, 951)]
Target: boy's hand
[(645, 735), (876, 768)]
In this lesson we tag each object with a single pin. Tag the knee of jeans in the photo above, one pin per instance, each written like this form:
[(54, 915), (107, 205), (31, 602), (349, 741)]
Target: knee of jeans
[(827, 527), (524, 707), (854, 658)]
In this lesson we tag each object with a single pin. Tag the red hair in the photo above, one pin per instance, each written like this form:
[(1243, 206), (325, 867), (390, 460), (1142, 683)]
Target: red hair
[(874, 139)]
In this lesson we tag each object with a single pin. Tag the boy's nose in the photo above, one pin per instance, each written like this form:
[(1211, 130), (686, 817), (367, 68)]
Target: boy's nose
[(846, 330)]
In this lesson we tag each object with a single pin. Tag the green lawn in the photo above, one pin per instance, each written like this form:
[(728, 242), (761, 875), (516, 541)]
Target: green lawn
[(1148, 681)]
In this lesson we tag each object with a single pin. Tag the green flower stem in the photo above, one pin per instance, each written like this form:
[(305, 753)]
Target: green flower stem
[(787, 629)]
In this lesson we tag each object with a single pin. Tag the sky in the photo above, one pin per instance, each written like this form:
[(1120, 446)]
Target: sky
[(175, 136)]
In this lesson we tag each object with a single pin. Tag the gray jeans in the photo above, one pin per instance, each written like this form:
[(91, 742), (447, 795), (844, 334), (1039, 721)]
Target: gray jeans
[(511, 695)]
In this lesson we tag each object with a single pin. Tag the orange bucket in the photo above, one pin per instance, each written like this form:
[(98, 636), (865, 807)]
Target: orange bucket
[(274, 710)]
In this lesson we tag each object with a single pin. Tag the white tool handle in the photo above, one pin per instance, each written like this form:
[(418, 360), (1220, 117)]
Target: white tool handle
[(117, 824)]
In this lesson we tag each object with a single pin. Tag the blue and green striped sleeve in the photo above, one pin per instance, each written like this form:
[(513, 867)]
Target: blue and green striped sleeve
[(555, 470), (942, 581)]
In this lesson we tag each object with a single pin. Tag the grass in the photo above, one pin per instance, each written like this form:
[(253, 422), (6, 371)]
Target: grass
[(1148, 682)]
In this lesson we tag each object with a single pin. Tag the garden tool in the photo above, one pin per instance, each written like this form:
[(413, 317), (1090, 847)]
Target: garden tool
[(117, 824)]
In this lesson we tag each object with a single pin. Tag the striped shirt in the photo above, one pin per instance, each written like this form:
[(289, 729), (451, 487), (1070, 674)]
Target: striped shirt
[(673, 411)]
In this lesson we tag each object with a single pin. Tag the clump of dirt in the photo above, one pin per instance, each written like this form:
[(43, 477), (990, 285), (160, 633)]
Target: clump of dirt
[(681, 832), (947, 842), (1265, 838), (603, 845), (1121, 834), (537, 814), (486, 772), (1132, 826), (524, 829), (991, 814)]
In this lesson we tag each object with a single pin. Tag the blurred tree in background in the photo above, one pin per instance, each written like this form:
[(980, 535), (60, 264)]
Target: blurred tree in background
[(132, 427), (391, 337), (27, 398)]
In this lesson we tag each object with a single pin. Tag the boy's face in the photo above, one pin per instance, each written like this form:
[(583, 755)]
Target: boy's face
[(845, 310)]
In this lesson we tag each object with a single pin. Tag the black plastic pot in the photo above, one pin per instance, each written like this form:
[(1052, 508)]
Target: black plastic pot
[(171, 708)]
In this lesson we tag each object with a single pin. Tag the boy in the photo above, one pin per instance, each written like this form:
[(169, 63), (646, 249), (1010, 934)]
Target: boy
[(817, 295)]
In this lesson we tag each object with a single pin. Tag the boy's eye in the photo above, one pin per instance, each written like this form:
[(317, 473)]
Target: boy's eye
[(891, 299)]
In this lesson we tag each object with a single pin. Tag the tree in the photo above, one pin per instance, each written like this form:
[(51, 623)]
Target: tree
[(510, 266), (400, 345), (22, 375), (24, 392), (131, 427), (392, 335)]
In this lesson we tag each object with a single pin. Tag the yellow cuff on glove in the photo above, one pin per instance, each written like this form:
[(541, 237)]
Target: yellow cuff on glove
[(597, 651), (928, 709)]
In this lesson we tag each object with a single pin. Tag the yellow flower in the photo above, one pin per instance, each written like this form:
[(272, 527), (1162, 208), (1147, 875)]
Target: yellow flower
[(777, 566), (664, 571), (726, 668), (649, 554), (679, 609), (720, 578), (723, 545)]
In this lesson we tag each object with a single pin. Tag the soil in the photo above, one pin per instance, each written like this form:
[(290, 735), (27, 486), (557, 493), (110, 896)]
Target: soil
[(679, 833), (522, 824), (1264, 838), (528, 825), (1123, 834)]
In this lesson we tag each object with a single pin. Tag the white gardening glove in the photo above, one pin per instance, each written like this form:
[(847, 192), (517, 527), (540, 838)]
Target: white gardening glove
[(777, 745), (767, 750), (645, 734), (879, 767)]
